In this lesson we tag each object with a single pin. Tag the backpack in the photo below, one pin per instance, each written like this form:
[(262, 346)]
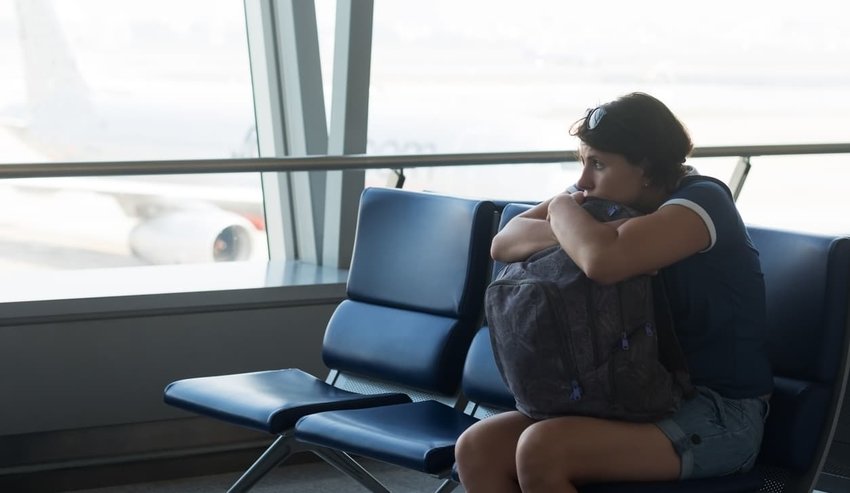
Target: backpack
[(566, 345)]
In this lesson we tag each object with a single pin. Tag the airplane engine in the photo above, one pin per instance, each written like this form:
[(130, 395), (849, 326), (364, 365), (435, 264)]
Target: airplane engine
[(192, 236)]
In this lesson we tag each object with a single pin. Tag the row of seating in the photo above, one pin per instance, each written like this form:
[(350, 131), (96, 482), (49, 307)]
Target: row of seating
[(412, 366)]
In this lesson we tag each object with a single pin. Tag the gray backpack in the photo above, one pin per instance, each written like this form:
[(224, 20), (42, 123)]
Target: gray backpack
[(566, 345)]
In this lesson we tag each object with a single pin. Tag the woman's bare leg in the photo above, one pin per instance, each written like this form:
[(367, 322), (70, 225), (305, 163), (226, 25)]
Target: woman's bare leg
[(556, 454), (485, 453)]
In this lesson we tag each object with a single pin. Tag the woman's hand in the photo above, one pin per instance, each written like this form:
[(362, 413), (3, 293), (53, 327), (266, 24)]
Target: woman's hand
[(578, 197), (562, 200)]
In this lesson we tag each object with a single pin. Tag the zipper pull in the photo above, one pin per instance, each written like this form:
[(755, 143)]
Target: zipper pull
[(576, 392), (649, 328), (624, 342)]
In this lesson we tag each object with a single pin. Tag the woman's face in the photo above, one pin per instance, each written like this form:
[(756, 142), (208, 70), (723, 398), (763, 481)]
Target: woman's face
[(608, 175)]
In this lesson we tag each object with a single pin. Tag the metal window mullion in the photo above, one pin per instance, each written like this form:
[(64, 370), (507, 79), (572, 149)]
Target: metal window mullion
[(289, 103), (348, 127), (352, 67), (261, 29), (304, 116)]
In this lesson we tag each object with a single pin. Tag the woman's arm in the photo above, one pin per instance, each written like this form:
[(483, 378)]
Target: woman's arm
[(524, 235), (640, 245)]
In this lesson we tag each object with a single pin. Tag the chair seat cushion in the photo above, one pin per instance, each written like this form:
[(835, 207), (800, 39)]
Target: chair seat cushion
[(270, 401), (798, 411), (419, 435)]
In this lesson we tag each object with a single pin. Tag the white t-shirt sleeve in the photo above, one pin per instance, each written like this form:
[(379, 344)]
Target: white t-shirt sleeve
[(701, 212)]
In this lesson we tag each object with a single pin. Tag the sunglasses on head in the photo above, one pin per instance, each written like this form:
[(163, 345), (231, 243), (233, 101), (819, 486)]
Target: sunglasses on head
[(626, 137), (595, 116)]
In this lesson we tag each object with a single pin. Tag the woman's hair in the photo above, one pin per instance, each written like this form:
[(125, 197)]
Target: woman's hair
[(642, 129)]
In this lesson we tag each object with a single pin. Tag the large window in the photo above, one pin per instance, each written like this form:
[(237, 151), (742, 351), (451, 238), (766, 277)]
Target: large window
[(498, 75), (92, 80), (99, 80), (491, 75)]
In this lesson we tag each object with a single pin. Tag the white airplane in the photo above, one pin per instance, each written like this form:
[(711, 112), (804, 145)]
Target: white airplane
[(180, 219)]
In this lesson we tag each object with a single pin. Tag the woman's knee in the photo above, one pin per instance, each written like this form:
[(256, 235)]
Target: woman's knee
[(543, 461), (473, 448), (465, 448), (535, 455), (488, 446)]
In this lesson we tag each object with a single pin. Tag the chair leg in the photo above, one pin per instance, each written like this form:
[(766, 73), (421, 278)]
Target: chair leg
[(344, 463), (447, 486), (277, 452)]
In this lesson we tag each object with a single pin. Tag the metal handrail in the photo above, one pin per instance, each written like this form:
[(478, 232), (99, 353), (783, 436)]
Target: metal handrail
[(361, 161)]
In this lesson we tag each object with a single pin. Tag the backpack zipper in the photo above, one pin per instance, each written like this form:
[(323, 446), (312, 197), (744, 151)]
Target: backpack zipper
[(576, 391), (591, 321)]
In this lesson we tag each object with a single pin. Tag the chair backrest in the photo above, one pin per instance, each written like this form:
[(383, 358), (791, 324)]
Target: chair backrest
[(807, 279), (482, 384), (415, 289), (509, 211)]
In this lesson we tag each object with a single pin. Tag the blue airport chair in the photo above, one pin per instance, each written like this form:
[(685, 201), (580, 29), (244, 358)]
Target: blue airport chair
[(414, 295), (418, 435)]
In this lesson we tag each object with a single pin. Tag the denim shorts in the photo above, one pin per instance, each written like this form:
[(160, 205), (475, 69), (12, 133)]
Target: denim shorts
[(714, 435)]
